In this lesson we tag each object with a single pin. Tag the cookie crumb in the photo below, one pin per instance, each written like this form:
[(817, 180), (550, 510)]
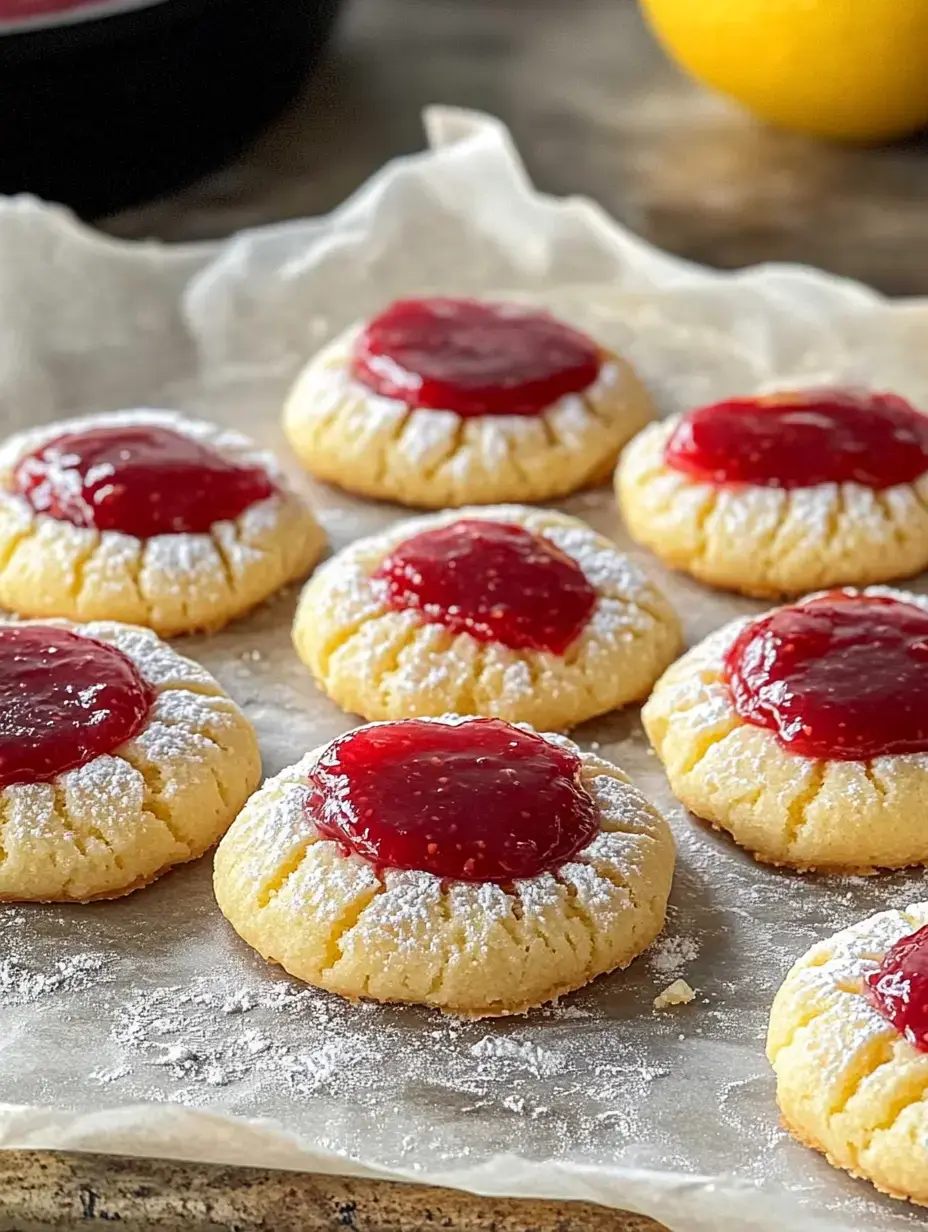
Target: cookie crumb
[(677, 993)]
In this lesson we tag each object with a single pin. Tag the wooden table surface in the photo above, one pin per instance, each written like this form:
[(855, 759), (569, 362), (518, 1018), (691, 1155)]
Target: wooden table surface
[(595, 109), (59, 1193)]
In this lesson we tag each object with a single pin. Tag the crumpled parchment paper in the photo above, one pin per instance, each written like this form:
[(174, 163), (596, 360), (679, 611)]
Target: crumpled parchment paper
[(144, 1026)]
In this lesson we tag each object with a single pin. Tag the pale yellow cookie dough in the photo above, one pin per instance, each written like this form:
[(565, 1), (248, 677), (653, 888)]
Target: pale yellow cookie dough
[(848, 1083), (122, 820), (770, 541), (476, 950), (828, 816), (384, 664), (170, 583), (344, 433)]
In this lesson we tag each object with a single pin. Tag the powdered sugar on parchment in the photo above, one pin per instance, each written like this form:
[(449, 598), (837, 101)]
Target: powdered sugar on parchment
[(175, 1028), (524, 1054), (22, 984), (670, 955)]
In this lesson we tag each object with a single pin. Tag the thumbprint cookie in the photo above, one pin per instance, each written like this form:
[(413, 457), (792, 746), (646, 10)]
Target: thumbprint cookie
[(460, 863), (118, 760), (446, 402), (848, 1039), (146, 517), (784, 494), (517, 613), (804, 732)]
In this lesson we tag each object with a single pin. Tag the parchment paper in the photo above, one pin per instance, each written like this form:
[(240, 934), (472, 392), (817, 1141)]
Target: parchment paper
[(144, 1026)]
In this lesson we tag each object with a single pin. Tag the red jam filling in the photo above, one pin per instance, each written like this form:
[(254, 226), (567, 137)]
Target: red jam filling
[(473, 358), (898, 988), (473, 801), (841, 678), (64, 700), (801, 439), (139, 479), (493, 580)]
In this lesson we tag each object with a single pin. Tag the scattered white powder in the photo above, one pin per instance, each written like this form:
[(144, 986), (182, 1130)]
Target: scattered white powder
[(22, 985), (522, 1107), (520, 1053), (105, 1076), (240, 1003), (669, 955), (176, 1030), (566, 1011)]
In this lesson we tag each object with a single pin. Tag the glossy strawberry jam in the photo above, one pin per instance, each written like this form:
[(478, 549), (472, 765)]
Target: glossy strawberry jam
[(843, 677), (801, 439), (473, 801), (64, 700), (898, 988), (141, 479), (496, 581), (473, 358)]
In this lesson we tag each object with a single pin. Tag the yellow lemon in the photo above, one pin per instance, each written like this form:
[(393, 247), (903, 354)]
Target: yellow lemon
[(852, 69)]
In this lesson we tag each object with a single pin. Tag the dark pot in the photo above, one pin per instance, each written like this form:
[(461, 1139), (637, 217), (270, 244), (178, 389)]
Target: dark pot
[(107, 104)]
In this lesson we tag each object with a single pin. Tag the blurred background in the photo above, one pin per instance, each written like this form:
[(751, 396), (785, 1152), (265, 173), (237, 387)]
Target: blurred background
[(298, 101)]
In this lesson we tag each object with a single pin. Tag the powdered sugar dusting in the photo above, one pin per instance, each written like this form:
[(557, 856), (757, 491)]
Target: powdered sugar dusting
[(508, 1052), (21, 984), (159, 663), (672, 955)]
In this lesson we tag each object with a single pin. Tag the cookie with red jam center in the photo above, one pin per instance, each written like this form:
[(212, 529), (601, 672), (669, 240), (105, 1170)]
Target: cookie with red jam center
[(118, 760), (147, 517), (522, 614), (478, 801), (65, 699), (473, 358), (497, 581), (784, 493), (875, 440), (138, 479), (463, 863), (445, 402), (804, 732), (898, 988), (847, 1038), (840, 677)]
